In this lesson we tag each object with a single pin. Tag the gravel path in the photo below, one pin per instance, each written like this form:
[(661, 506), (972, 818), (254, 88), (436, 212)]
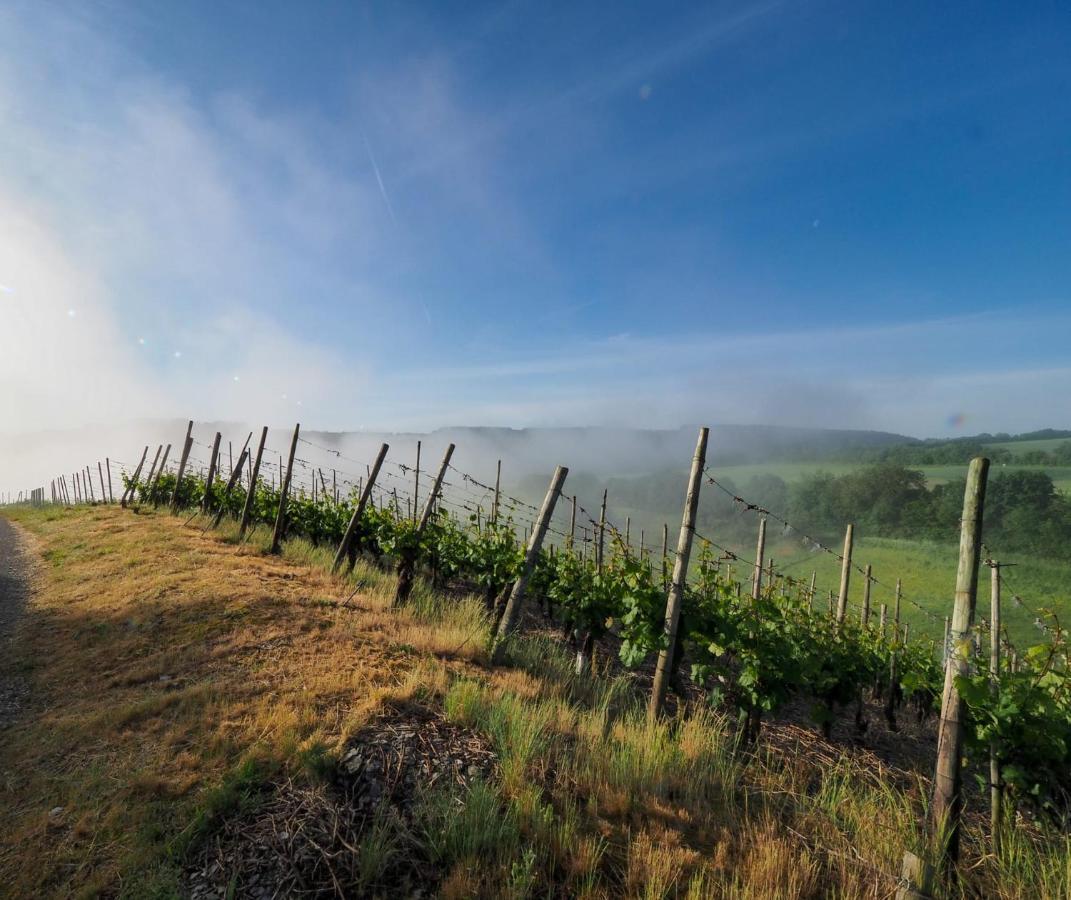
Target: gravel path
[(14, 590)]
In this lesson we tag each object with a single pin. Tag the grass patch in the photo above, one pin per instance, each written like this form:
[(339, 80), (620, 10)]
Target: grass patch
[(178, 676)]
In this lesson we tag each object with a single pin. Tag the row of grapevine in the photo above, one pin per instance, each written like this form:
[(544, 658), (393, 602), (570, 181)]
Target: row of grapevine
[(753, 651), (752, 654)]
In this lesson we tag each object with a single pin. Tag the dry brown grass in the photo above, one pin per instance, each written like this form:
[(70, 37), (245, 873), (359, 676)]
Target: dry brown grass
[(173, 672), (161, 659)]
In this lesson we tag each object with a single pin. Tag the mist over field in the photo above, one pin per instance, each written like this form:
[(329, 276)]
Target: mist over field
[(605, 451)]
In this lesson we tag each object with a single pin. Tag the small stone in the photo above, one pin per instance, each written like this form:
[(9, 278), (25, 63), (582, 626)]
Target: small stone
[(55, 812)]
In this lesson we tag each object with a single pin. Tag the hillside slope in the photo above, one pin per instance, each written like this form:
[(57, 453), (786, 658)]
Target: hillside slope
[(205, 718)]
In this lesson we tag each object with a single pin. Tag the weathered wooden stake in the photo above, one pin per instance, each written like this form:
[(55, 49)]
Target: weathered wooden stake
[(947, 794), (159, 472), (407, 563), (205, 500), (760, 550), (149, 481), (915, 878), (416, 480), (845, 575), (186, 447), (995, 789), (280, 516), (247, 509), (600, 548), (665, 555), (512, 611), (865, 617), (351, 529), (236, 474), (664, 669), (498, 492)]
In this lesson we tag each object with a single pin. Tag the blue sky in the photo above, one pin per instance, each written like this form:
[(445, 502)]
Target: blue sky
[(387, 216)]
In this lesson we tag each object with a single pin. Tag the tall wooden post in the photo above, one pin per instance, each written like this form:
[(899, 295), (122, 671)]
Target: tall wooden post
[(883, 622), (236, 474), (150, 479), (572, 523), (247, 509), (512, 611), (664, 669), (810, 590), (416, 479), (498, 492), (407, 563), (601, 546), (186, 447), (351, 530), (995, 790), (865, 616), (212, 465), (760, 550), (845, 575), (159, 473), (280, 516), (947, 794), (665, 556)]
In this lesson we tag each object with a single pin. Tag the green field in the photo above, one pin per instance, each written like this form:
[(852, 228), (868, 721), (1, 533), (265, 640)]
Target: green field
[(794, 471), (1017, 448), (928, 573)]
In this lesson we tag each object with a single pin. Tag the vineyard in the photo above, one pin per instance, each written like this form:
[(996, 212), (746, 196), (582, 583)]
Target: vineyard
[(714, 628)]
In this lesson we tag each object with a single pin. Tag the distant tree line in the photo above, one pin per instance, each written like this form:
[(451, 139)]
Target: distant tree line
[(1024, 511)]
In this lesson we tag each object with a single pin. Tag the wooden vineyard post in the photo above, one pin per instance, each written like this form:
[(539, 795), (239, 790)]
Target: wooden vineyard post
[(100, 475), (89, 485), (883, 620), (915, 879), (810, 590), (186, 447), (416, 480), (150, 479), (247, 508), (601, 546), (664, 669), (280, 516), (128, 493), (760, 550), (407, 562), (572, 523), (236, 474), (159, 472), (845, 575), (207, 498), (947, 794), (665, 556), (108, 469), (498, 493), (865, 616), (512, 611), (945, 645), (995, 790), (346, 543)]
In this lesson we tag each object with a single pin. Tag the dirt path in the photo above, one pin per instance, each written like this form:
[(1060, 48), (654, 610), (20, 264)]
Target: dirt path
[(14, 590)]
